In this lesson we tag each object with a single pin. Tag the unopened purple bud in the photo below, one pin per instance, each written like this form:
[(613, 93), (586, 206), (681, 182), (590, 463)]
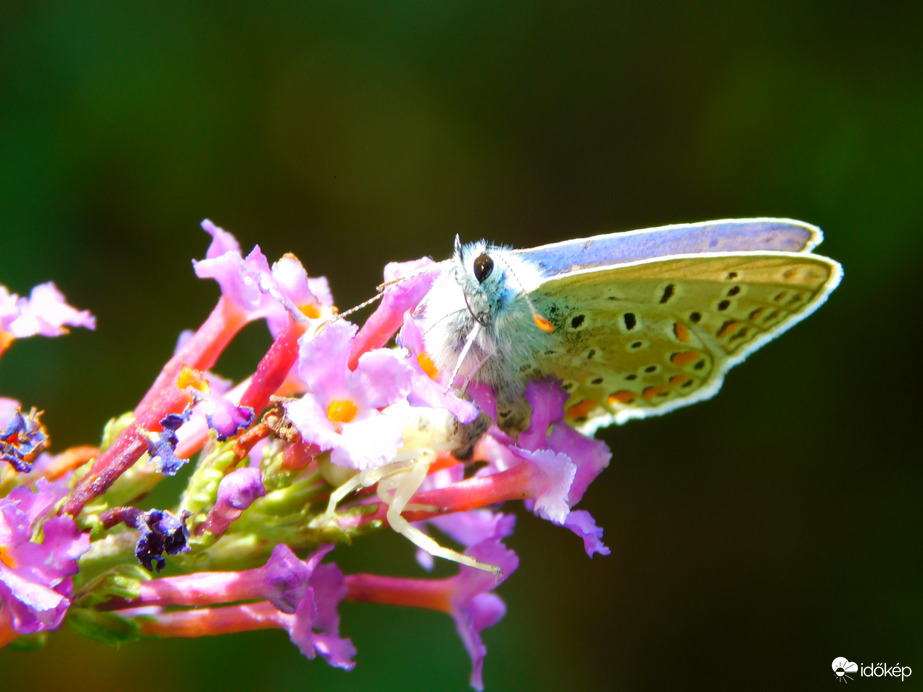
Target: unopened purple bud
[(236, 492)]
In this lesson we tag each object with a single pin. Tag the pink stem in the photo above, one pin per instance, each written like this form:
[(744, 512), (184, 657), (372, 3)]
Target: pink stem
[(126, 450), (206, 622), (7, 633), (205, 588), (274, 367), (511, 484), (431, 594)]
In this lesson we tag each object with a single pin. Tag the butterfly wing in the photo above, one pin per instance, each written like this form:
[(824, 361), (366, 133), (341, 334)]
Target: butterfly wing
[(707, 237), (647, 337)]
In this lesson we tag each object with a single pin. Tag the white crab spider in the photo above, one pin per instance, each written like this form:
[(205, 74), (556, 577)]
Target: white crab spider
[(426, 432)]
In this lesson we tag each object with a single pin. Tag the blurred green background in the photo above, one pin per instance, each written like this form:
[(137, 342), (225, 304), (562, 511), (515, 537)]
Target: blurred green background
[(754, 537)]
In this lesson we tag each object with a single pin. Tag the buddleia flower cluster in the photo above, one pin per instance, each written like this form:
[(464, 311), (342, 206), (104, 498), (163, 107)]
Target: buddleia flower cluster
[(339, 432)]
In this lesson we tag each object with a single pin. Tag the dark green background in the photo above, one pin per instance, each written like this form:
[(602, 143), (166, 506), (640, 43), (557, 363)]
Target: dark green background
[(754, 537)]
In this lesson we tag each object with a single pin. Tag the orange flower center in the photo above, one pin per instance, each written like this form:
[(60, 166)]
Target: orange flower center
[(310, 310), (7, 559), (341, 411), (426, 363), (190, 377)]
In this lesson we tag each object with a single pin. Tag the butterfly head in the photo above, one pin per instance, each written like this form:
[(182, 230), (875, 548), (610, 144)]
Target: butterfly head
[(492, 279), (474, 317)]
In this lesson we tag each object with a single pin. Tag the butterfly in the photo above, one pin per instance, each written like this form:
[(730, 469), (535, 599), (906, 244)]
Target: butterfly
[(634, 324)]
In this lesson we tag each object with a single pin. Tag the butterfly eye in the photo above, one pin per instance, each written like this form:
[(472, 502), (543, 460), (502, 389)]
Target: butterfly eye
[(483, 266)]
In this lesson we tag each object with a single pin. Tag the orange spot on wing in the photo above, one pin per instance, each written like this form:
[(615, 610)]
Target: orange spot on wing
[(543, 324), (727, 328), (650, 392), (622, 397), (678, 380), (580, 410), (681, 333), (681, 360)]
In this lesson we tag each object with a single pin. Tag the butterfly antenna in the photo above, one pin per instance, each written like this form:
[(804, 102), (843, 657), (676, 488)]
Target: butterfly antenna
[(381, 288), (361, 305), (541, 322)]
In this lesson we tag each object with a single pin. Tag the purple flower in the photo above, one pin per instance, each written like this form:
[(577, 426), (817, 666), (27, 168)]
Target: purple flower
[(315, 626), (240, 279), (256, 290), (564, 461), (306, 293), (299, 596), (548, 429), (484, 398), (282, 581), (473, 607), (35, 583), (429, 387), (582, 523), (44, 312), (8, 407), (22, 438), (551, 484), (342, 409), (466, 597), (591, 457), (286, 578), (224, 416), (546, 400), (406, 283)]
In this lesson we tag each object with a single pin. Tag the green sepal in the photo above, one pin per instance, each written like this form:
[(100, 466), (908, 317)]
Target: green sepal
[(124, 583), (107, 628), (114, 428), (275, 474), (29, 642)]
